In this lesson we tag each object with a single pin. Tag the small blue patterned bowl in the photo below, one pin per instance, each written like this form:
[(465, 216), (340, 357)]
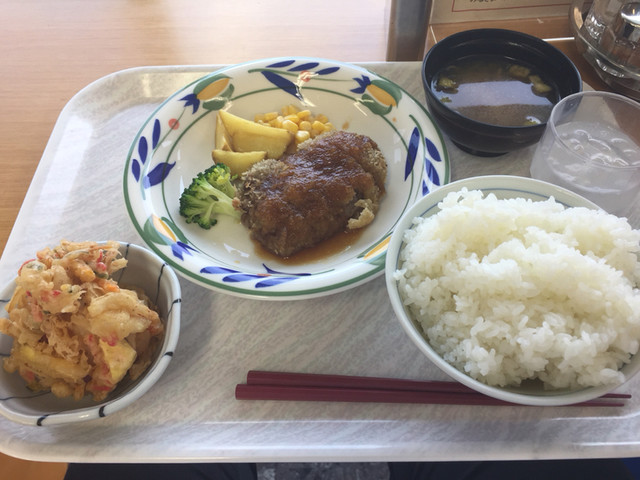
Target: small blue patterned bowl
[(145, 270)]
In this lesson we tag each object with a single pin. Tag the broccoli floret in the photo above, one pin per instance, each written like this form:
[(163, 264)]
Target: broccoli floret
[(211, 193), (219, 175)]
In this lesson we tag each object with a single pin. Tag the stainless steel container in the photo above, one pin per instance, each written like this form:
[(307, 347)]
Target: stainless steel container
[(607, 34)]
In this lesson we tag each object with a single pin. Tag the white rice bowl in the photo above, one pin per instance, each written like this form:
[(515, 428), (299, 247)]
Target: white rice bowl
[(510, 291)]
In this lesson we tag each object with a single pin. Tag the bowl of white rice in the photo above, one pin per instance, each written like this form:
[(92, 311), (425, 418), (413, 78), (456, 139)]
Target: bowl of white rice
[(519, 289)]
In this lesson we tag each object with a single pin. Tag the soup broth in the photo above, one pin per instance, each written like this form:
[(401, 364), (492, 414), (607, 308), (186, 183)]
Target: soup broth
[(495, 90)]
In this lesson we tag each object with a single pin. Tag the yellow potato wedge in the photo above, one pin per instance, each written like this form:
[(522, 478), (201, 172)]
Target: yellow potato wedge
[(222, 137), (249, 136), (248, 142), (238, 162)]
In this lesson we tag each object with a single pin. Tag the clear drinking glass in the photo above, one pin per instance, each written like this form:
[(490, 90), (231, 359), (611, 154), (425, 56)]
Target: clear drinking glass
[(591, 145)]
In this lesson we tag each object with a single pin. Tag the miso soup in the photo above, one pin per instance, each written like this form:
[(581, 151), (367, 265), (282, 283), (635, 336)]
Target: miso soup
[(495, 90)]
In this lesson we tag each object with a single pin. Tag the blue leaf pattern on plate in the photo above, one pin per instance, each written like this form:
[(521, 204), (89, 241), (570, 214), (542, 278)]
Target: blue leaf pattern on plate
[(155, 137), (304, 66), (430, 169), (158, 174), (271, 270), (135, 169), (282, 64), (240, 277), (425, 188), (412, 152), (432, 175), (283, 83), (304, 70), (143, 149), (327, 71), (217, 270), (273, 281), (433, 150), (235, 276)]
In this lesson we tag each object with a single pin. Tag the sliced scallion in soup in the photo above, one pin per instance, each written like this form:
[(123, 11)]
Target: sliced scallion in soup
[(496, 90)]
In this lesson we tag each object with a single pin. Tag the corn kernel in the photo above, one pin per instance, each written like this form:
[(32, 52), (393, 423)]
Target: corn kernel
[(292, 118), (270, 116), (289, 110), (305, 125), (304, 114), (290, 126), (302, 136), (322, 118)]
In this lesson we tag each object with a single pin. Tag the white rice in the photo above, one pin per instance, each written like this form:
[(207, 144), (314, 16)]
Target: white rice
[(510, 290)]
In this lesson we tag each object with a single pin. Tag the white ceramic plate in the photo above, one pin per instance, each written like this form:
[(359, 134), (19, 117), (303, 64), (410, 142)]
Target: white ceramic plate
[(175, 144)]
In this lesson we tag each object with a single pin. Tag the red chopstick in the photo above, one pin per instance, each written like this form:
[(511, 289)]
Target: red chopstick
[(262, 385), (258, 377)]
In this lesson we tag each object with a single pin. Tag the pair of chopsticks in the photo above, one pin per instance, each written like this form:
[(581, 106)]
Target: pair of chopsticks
[(312, 387)]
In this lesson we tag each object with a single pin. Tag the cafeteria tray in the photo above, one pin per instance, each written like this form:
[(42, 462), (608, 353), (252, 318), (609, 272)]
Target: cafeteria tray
[(191, 414)]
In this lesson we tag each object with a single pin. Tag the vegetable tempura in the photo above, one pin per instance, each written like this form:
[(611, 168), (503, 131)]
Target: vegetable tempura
[(75, 330)]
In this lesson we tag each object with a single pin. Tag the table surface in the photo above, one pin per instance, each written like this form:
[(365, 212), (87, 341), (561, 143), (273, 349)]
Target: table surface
[(51, 51)]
